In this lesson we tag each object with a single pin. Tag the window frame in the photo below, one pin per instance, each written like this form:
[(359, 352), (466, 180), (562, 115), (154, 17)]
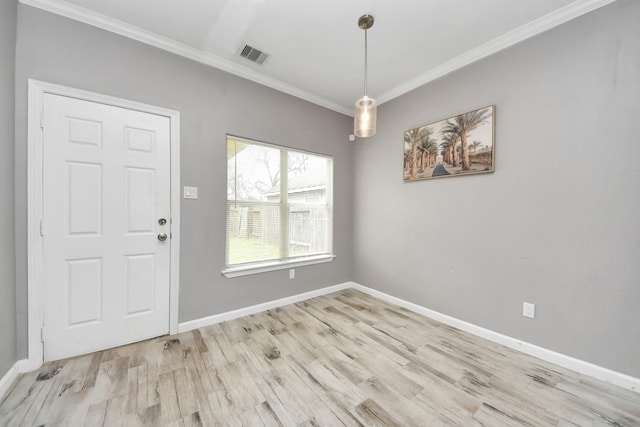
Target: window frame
[(285, 260)]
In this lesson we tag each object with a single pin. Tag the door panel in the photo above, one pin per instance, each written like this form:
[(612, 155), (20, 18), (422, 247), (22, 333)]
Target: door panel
[(84, 291), (84, 181), (140, 140), (106, 181), (140, 281), (140, 189), (85, 132)]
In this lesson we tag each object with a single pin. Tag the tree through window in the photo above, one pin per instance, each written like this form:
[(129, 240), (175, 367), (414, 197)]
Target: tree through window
[(279, 203)]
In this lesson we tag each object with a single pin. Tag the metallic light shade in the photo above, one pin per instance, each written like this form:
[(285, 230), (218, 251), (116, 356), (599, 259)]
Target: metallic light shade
[(364, 123)]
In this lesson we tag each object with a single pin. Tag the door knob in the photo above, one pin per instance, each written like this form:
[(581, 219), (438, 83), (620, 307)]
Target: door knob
[(162, 237)]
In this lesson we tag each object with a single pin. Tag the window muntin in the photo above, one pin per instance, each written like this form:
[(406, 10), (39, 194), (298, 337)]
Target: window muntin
[(274, 215)]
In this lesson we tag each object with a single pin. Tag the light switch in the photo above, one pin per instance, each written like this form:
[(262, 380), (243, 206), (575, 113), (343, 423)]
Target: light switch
[(190, 192)]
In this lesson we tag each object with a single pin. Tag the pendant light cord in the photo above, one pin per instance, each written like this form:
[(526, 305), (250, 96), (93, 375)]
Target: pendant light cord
[(365, 62)]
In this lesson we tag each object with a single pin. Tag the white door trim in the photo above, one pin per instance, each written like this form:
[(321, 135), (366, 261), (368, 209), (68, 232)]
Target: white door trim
[(35, 285)]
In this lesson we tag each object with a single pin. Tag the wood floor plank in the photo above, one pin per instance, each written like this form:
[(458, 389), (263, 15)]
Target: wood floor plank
[(333, 381), (235, 330), (151, 416), (262, 358), (129, 420), (274, 405), (96, 414), (287, 390), (391, 375), (239, 387), (116, 410), (184, 391), (282, 315), (70, 409), (226, 347), (42, 406), (132, 391), (111, 380), (153, 388), (201, 344), (340, 359), (204, 411), (492, 416), (17, 402), (214, 356), (198, 377), (600, 403), (402, 411), (565, 405), (374, 414), (168, 398), (450, 408), (267, 416), (222, 409), (142, 392), (350, 368), (289, 345), (322, 415), (250, 418), (332, 399), (192, 420)]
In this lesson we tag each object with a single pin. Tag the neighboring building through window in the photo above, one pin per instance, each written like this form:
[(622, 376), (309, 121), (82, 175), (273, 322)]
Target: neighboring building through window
[(279, 203)]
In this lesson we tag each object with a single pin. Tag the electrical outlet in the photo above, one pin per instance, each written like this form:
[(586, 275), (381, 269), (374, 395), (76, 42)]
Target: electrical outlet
[(529, 310), (292, 273)]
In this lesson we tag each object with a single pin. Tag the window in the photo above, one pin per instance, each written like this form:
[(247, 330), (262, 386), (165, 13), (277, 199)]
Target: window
[(278, 205)]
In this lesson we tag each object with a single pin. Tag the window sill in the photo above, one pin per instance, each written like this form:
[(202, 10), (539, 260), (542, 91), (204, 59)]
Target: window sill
[(264, 267)]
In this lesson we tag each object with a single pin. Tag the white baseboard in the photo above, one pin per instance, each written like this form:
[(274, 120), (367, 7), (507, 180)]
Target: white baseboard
[(27, 365), (7, 381), (234, 314), (616, 378)]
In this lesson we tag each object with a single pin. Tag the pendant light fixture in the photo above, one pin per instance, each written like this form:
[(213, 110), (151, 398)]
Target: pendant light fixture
[(364, 119)]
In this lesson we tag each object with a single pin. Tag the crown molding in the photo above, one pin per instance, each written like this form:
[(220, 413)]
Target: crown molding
[(533, 28), (72, 11), (544, 23)]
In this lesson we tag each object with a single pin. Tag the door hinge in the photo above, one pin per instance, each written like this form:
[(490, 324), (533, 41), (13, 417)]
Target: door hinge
[(41, 228), (42, 119)]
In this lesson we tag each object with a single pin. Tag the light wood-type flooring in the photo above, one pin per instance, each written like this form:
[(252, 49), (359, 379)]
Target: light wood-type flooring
[(341, 359)]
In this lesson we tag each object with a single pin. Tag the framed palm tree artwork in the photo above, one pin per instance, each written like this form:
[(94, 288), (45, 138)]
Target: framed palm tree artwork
[(459, 145)]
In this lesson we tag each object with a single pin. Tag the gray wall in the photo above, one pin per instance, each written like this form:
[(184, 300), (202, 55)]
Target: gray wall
[(7, 254), (557, 224), (212, 103)]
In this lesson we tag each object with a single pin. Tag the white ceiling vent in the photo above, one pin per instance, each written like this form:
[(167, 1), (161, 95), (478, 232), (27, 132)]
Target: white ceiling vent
[(253, 54)]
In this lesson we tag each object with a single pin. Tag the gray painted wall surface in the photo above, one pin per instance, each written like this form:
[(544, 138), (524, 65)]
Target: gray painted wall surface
[(557, 224), (212, 103), (7, 245)]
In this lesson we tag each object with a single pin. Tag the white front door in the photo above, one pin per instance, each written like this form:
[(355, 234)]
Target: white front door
[(106, 192)]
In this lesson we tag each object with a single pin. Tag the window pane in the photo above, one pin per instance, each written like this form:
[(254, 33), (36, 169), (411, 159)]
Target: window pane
[(307, 178), (308, 230), (253, 172), (253, 233), (256, 230)]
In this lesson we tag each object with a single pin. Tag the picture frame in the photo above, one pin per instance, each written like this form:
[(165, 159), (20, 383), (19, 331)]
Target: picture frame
[(456, 146)]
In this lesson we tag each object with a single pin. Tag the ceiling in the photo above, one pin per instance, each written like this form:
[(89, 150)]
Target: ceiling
[(316, 50)]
